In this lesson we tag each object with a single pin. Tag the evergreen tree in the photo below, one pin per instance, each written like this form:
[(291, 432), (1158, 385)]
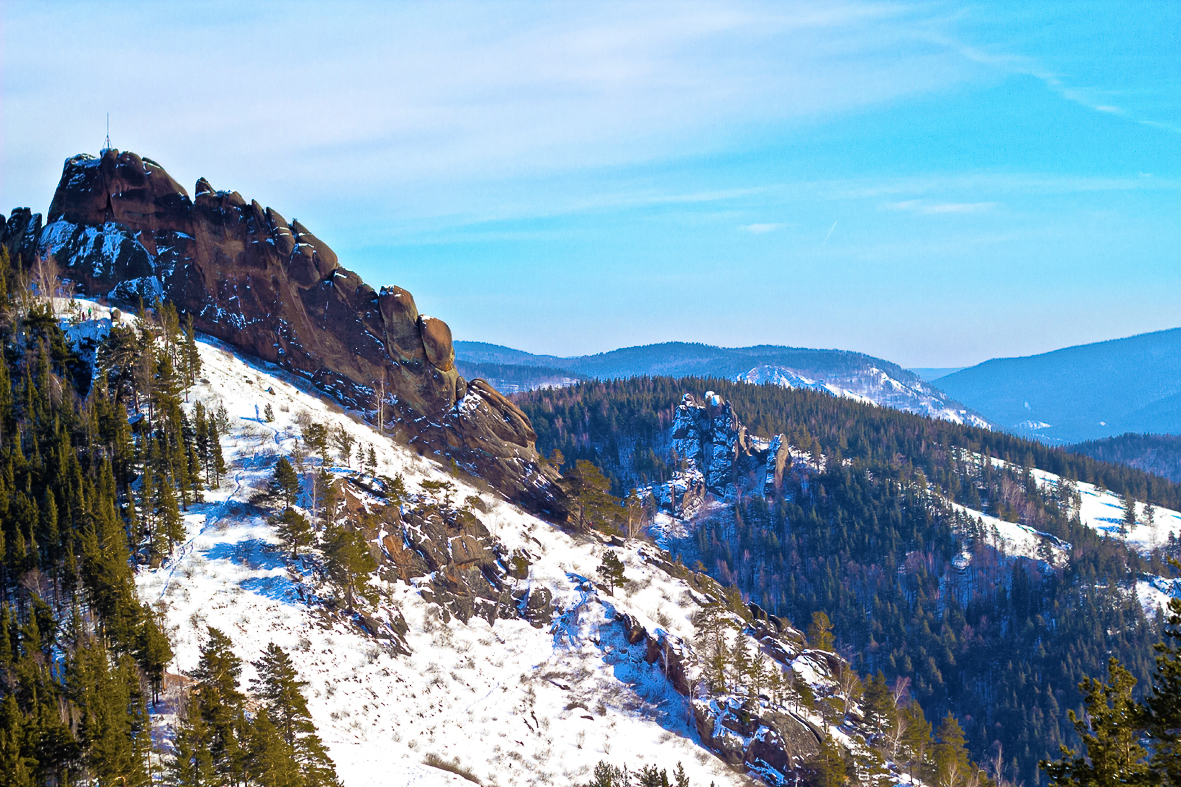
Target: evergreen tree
[(168, 518), (284, 485), (349, 563), (281, 693), (295, 530), (952, 766), (270, 760), (820, 632), (916, 737), (828, 766), (1162, 707), (216, 718), (588, 492), (713, 624), (611, 571), (1110, 733), (881, 712)]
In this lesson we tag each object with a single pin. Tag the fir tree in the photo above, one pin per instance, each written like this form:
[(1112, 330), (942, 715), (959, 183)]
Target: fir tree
[(588, 491), (1110, 733), (270, 761), (1162, 708), (828, 766)]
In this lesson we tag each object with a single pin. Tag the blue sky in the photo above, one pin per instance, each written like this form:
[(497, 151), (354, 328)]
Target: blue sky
[(934, 183)]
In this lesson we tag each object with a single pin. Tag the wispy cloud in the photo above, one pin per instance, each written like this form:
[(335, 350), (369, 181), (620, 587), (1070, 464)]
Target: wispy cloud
[(760, 229), (935, 208)]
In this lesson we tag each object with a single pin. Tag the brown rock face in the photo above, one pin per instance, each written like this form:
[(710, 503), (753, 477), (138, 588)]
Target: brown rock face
[(120, 226)]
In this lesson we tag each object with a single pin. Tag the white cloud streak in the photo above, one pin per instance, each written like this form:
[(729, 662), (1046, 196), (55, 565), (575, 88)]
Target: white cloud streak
[(378, 98)]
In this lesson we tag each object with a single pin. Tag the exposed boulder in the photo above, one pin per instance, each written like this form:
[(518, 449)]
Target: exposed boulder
[(436, 340), (120, 226)]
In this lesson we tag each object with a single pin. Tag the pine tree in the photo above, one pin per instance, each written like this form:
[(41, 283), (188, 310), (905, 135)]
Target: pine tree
[(349, 563), (611, 571), (1109, 731), (590, 498), (168, 518), (270, 761), (284, 485), (820, 632), (713, 624), (952, 766), (739, 661), (881, 712), (281, 692), (217, 708), (828, 765), (1162, 707), (192, 355), (216, 461), (916, 738), (344, 444), (295, 530)]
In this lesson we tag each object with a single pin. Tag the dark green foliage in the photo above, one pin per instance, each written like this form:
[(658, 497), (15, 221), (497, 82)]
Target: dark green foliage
[(1153, 453), (1162, 709), (349, 563), (284, 485), (286, 709), (295, 530), (820, 631), (827, 767), (1110, 733), (611, 570), (1116, 724), (590, 499), (607, 775), (76, 644)]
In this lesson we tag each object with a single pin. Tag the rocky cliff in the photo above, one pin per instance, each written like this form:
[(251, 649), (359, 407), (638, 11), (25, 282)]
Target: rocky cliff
[(717, 458), (119, 226)]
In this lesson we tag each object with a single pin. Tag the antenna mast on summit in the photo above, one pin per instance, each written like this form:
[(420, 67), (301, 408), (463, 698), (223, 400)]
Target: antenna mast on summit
[(108, 146)]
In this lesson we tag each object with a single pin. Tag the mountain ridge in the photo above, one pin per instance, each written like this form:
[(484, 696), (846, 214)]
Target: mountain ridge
[(838, 372), (1082, 392)]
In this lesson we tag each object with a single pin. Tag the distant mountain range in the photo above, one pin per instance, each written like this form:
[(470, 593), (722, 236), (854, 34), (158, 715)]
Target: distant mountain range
[(1087, 392), (838, 372)]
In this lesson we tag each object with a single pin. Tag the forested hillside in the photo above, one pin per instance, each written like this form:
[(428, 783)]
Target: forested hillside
[(869, 536), (99, 457), (1159, 454)]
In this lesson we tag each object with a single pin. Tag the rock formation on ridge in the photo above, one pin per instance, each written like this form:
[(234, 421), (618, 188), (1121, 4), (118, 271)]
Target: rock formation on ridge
[(120, 226)]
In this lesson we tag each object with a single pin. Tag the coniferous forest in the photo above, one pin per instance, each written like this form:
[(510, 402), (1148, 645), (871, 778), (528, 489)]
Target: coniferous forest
[(867, 537), (99, 458)]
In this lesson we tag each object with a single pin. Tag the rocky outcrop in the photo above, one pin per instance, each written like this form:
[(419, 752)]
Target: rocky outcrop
[(751, 734), (720, 458), (19, 234), (771, 742), (448, 553), (120, 226)]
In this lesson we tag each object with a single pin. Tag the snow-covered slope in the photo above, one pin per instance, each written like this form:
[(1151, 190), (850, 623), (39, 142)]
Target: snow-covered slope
[(871, 386), (406, 687), (512, 703)]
